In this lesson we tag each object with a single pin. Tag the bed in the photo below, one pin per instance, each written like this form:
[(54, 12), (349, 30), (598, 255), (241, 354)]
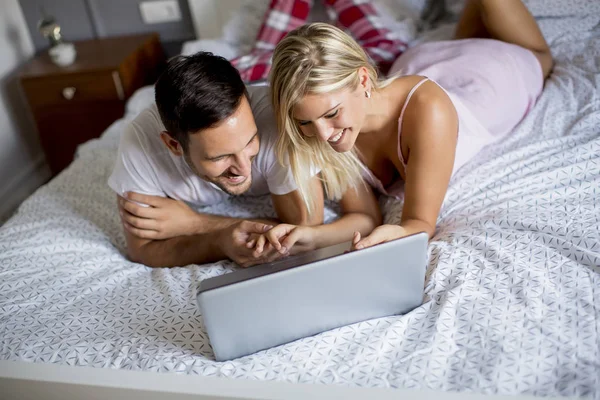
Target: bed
[(512, 291)]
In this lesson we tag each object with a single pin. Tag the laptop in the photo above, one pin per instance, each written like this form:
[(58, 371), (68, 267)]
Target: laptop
[(256, 308)]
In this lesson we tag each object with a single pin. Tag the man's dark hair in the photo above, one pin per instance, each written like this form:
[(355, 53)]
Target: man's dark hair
[(197, 92)]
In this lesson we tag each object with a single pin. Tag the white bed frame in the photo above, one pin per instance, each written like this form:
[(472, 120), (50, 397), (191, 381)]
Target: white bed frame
[(25, 381)]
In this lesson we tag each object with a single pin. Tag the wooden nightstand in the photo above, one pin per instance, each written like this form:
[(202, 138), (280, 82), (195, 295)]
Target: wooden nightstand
[(76, 103)]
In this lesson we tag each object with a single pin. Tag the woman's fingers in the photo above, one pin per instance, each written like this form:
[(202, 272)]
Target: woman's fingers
[(356, 240), (376, 237), (274, 235), (260, 245), (290, 241)]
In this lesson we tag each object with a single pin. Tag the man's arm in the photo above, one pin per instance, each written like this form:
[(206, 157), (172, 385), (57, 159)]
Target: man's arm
[(225, 238), (179, 251), (159, 218)]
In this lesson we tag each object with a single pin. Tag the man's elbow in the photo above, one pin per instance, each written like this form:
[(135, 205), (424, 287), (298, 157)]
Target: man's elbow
[(140, 255)]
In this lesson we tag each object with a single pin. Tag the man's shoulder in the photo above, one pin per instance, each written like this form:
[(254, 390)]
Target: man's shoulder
[(264, 117), (147, 123), (142, 133), (262, 110), (142, 150), (258, 93)]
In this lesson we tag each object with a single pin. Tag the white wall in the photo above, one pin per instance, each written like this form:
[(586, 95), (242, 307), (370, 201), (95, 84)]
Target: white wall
[(22, 165), (209, 16)]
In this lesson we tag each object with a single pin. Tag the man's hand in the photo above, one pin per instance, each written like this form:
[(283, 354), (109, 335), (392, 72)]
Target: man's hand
[(381, 234), (157, 218), (286, 239), (233, 242)]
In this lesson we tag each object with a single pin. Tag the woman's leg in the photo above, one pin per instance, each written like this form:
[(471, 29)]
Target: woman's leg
[(508, 21)]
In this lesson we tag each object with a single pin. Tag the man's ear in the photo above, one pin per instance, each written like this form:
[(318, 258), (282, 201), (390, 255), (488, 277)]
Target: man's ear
[(172, 144)]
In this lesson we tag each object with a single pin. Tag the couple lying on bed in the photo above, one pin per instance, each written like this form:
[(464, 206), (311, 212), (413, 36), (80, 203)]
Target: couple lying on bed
[(327, 125)]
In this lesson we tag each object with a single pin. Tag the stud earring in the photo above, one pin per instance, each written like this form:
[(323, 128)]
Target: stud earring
[(367, 94)]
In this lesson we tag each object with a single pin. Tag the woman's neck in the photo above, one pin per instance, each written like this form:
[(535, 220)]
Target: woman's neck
[(381, 112)]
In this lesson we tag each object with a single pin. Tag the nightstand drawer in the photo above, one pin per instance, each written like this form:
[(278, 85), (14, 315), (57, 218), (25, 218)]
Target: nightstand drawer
[(69, 89), (62, 129)]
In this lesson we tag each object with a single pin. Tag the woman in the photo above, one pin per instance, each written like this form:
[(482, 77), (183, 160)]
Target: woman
[(444, 102)]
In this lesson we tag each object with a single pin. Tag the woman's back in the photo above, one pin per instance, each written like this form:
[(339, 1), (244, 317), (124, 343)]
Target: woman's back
[(492, 85)]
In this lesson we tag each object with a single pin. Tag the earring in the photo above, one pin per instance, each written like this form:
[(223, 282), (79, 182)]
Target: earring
[(367, 94)]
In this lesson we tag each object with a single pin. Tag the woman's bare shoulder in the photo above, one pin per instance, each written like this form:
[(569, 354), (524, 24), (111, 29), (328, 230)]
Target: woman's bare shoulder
[(429, 112), (429, 99), (401, 87)]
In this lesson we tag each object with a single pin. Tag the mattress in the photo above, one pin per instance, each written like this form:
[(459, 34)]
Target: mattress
[(512, 291)]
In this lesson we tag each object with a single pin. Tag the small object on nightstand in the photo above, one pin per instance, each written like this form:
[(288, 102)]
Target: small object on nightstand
[(74, 104), (61, 53)]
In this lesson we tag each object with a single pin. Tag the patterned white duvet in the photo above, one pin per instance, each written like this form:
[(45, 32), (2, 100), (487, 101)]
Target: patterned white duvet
[(512, 300)]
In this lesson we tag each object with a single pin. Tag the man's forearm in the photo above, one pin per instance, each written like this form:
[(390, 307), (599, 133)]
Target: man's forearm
[(208, 223), (180, 251)]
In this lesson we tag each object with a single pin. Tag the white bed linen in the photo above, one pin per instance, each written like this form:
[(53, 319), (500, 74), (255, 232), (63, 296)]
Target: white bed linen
[(512, 299)]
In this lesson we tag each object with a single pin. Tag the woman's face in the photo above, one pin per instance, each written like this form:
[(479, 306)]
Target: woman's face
[(335, 118)]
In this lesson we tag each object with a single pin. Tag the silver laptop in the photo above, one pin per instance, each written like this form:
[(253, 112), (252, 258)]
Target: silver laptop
[(271, 304)]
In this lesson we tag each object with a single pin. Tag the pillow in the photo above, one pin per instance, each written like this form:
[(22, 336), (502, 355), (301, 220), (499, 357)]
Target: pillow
[(242, 29), (371, 25), (240, 32)]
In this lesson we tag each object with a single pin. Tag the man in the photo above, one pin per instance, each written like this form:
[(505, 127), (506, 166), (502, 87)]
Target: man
[(207, 138)]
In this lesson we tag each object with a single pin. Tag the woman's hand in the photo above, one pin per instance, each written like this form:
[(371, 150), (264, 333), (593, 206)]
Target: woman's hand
[(286, 239), (381, 234)]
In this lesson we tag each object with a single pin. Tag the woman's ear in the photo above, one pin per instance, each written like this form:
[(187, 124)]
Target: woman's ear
[(363, 78), (172, 144)]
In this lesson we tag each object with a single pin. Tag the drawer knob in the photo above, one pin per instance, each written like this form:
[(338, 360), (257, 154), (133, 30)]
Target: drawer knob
[(68, 92)]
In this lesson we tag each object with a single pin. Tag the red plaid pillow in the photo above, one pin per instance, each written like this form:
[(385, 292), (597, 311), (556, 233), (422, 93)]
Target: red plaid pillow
[(281, 17), (357, 17), (361, 20)]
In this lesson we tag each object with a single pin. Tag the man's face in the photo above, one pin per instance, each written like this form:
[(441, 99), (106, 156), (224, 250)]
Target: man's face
[(223, 154)]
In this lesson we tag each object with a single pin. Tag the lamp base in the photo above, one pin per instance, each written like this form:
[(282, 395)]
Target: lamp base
[(63, 54)]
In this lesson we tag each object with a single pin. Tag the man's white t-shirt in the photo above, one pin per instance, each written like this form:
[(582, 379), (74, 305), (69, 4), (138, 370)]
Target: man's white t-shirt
[(145, 165)]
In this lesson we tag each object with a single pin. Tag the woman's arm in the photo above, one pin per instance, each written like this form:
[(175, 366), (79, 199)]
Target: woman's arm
[(429, 131), (290, 208), (360, 213)]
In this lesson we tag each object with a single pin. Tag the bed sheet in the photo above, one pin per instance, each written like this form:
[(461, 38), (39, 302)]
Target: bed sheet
[(512, 296)]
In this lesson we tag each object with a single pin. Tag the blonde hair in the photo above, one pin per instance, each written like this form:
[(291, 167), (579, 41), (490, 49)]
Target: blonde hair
[(316, 58)]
